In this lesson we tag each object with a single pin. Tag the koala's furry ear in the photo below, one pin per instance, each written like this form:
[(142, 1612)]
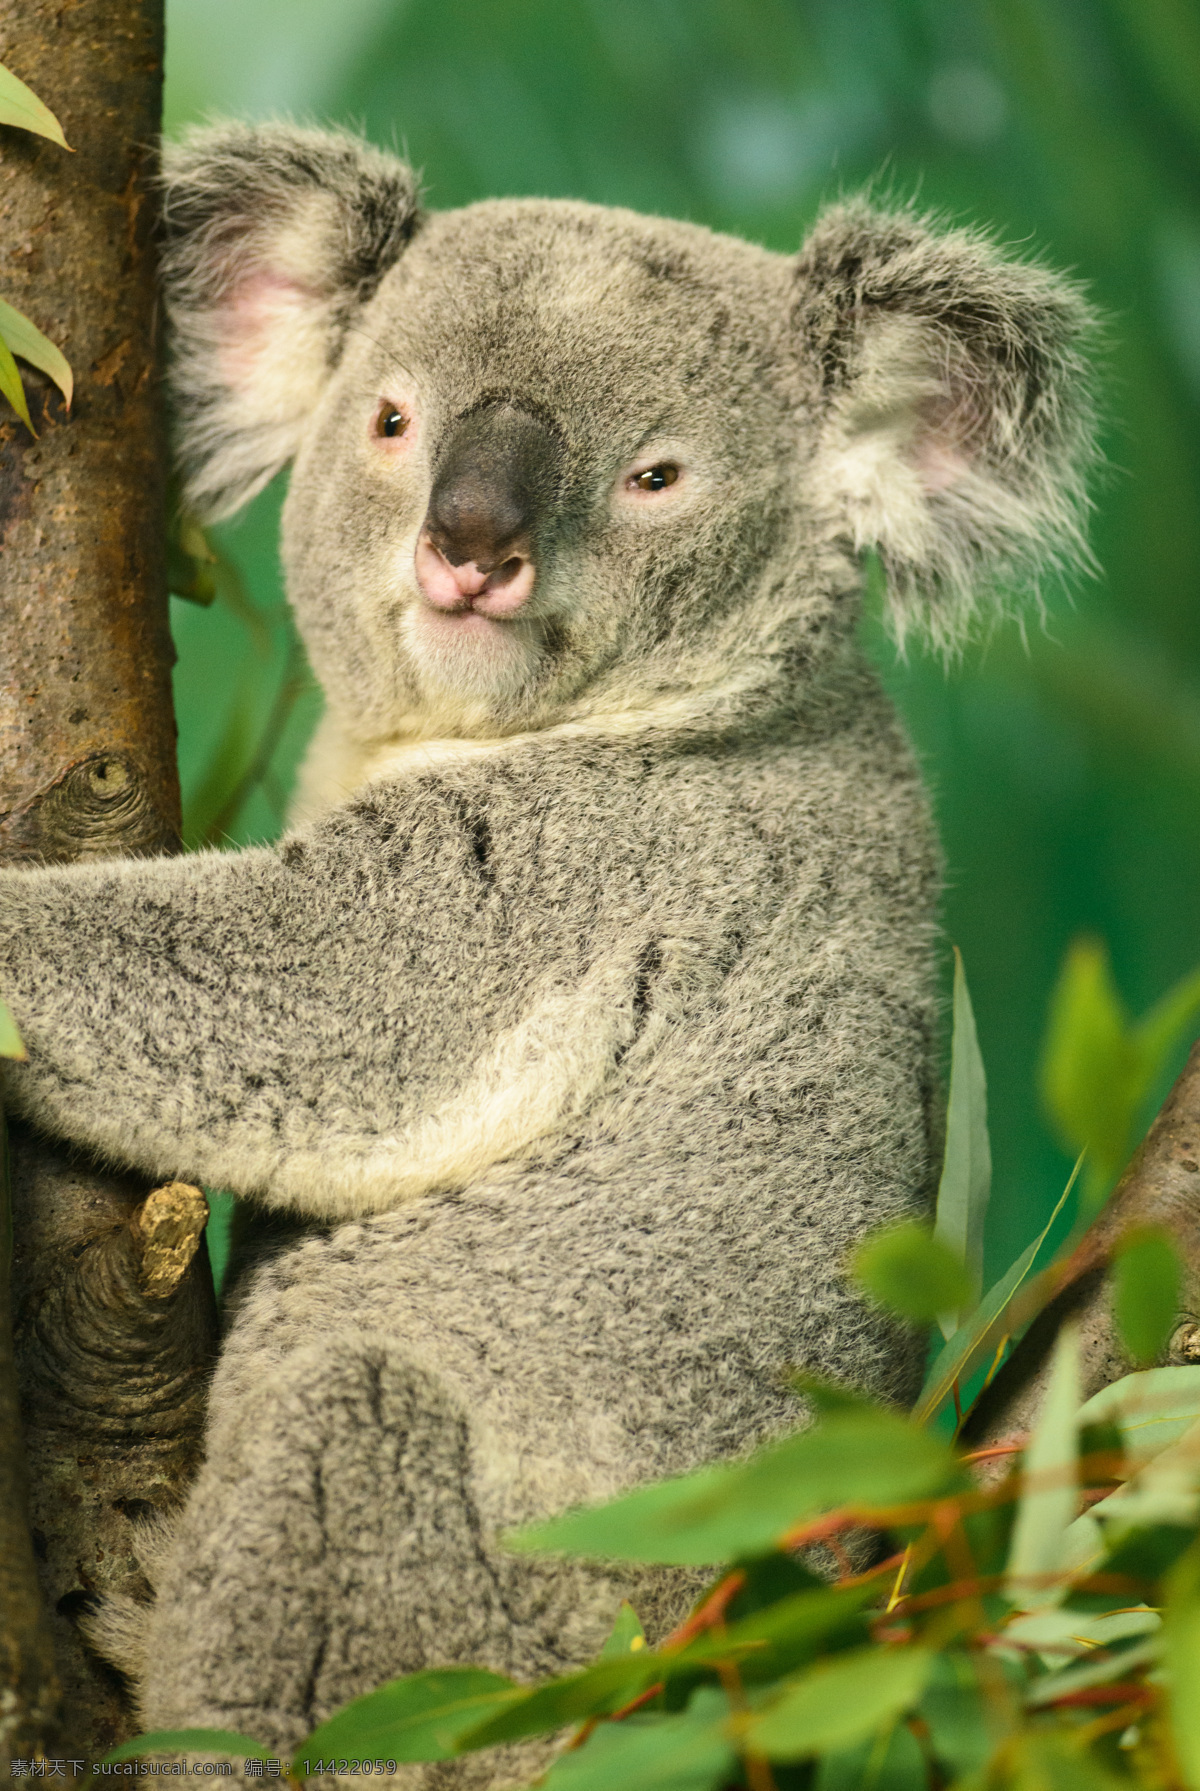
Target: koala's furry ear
[(957, 424), (273, 237)]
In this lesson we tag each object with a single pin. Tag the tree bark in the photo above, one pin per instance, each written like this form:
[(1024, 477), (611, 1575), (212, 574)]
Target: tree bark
[(113, 1319), (1160, 1187)]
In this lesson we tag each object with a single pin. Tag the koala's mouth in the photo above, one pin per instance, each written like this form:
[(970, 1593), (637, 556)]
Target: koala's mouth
[(493, 590)]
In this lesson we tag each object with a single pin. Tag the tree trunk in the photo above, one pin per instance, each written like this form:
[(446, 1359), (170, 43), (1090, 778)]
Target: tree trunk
[(113, 1328)]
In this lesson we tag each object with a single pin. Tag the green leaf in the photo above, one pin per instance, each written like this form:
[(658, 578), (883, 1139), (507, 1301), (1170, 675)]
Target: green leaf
[(840, 1701), (873, 1458), (769, 1579), (690, 1752), (769, 1642), (190, 561), (787, 1635), (542, 1709), (11, 387), (25, 339), (960, 1723), (887, 1762), (826, 1397), (19, 105), (1148, 1278), (224, 1742), (1134, 1568), (1089, 1672), (1163, 1492), (1098, 1067), (1169, 1021), (1181, 1648), (627, 1636), (966, 1182), (10, 1039), (1152, 1409), (1091, 1070), (910, 1271), (1060, 1634), (419, 1717), (984, 1329), (1044, 1761), (1051, 1469)]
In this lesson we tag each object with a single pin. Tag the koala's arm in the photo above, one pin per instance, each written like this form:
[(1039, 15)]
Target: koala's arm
[(353, 1017)]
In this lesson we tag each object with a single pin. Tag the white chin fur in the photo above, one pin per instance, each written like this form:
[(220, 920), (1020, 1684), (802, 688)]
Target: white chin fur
[(469, 655)]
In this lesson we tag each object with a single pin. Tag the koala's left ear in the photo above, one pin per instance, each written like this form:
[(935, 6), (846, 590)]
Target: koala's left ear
[(956, 423), (273, 237)]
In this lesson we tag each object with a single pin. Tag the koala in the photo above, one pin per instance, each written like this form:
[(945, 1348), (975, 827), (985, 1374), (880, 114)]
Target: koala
[(586, 1014)]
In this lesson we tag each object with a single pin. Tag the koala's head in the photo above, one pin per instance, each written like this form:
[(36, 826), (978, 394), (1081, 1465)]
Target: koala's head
[(552, 459)]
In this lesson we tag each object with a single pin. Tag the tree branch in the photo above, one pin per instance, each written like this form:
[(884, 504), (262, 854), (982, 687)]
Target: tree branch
[(1160, 1187)]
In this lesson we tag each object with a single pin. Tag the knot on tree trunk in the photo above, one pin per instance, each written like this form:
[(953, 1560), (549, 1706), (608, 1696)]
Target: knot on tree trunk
[(118, 1341), (97, 806)]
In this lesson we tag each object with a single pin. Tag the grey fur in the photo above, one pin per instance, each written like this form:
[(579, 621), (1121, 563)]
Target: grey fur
[(587, 1020)]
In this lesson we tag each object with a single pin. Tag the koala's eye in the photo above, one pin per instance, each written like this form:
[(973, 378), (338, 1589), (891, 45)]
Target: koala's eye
[(655, 478), (390, 421)]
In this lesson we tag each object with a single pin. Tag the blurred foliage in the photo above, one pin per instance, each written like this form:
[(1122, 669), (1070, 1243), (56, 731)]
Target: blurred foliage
[(913, 1273), (1065, 773), (1146, 1296), (1098, 1066)]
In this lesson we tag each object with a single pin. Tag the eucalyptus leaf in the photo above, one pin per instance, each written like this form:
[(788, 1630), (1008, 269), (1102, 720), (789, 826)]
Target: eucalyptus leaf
[(871, 1458), (627, 1635), (11, 387), (772, 1641), (1091, 1071), (1051, 1474), (1061, 1634), (1049, 1762), (224, 1743), (839, 1701), (891, 1761), (912, 1272), (789, 1634), (24, 338), (1064, 1681), (954, 1707), (960, 1356), (966, 1181), (420, 1717), (1152, 1408), (1165, 1492), (11, 1044), (598, 1691), (19, 105), (1168, 1022), (1181, 1649), (1148, 1278), (1099, 1067), (689, 1752)]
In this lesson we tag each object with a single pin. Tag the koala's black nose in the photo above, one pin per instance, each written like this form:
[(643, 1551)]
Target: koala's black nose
[(498, 475)]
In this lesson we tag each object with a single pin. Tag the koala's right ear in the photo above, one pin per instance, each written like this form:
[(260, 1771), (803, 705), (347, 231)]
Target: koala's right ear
[(274, 236)]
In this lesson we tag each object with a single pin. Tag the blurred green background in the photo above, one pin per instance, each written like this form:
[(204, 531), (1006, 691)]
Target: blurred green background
[(1065, 771)]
